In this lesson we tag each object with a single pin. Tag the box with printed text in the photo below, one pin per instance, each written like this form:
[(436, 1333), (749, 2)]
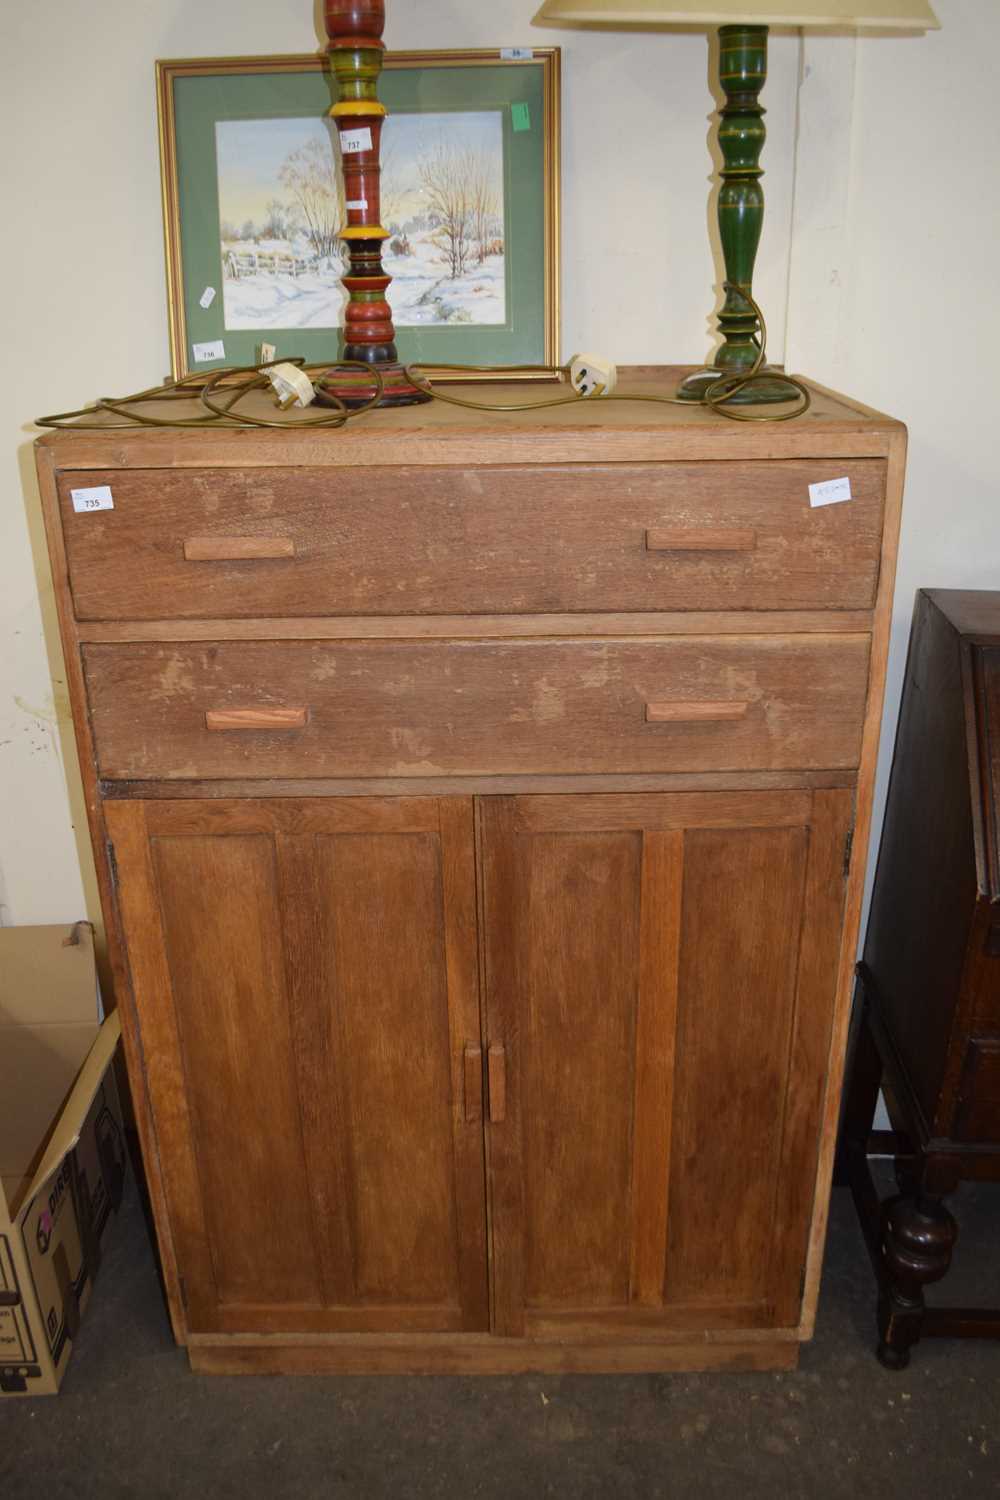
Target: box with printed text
[(63, 1161)]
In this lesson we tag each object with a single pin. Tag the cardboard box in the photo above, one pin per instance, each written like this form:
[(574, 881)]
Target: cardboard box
[(62, 1148)]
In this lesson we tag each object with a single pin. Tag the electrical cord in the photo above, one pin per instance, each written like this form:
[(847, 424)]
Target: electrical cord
[(717, 396), (221, 393), (218, 412)]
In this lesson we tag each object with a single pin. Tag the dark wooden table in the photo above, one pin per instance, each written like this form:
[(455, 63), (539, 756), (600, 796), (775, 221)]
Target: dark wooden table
[(928, 1021)]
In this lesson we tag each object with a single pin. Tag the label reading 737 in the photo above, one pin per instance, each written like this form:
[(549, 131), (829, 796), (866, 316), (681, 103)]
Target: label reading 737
[(352, 141)]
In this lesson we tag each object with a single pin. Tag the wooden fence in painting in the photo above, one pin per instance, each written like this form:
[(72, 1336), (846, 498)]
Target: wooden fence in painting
[(238, 263)]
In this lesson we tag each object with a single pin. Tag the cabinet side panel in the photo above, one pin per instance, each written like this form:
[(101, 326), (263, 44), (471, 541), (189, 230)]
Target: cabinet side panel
[(222, 935), (577, 1052), (822, 924), (742, 907), (381, 923)]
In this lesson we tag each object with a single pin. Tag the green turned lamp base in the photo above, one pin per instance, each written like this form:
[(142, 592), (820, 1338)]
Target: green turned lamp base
[(767, 386)]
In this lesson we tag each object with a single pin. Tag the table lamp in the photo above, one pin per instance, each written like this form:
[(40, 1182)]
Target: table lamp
[(354, 29), (743, 26)]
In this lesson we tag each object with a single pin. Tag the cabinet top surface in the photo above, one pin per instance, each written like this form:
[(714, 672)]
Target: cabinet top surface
[(585, 431), (973, 612)]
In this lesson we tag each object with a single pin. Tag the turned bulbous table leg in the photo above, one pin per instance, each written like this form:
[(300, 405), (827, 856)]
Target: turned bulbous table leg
[(918, 1237)]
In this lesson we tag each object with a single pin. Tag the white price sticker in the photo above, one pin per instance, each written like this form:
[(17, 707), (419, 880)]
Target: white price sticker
[(516, 54), (202, 352), (207, 297), (357, 203), (829, 492), (98, 497), (352, 141)]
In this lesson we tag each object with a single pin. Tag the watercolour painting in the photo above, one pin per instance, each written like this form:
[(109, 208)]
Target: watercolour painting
[(254, 205), (281, 205)]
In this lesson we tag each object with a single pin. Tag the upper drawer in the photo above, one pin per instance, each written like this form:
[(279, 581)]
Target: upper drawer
[(221, 543), (419, 708)]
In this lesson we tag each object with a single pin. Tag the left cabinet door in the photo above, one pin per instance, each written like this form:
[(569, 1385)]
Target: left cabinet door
[(305, 975)]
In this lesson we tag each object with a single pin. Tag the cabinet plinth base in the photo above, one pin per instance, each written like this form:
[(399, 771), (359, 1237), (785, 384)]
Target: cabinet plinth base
[(493, 1356)]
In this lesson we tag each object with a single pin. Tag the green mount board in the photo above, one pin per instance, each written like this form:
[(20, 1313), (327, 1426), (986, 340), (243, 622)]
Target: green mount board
[(200, 101)]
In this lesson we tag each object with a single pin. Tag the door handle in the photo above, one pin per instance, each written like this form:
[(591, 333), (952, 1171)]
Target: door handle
[(695, 713), (236, 548), (496, 1075), (473, 1074), (256, 718)]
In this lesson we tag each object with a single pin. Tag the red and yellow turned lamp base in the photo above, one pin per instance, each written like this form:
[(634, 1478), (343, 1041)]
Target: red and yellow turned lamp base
[(355, 28)]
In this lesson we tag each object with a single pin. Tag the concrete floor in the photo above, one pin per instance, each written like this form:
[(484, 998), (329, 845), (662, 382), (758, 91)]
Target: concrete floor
[(133, 1421)]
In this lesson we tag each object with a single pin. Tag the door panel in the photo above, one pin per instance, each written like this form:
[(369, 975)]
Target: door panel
[(736, 991), (379, 919), (222, 937), (307, 982), (578, 1019), (660, 970)]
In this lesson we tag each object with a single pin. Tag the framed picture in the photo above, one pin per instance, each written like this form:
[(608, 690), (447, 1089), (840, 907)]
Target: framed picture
[(253, 202)]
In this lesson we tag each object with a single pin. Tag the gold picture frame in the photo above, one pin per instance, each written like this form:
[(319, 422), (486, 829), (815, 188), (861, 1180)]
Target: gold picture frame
[(196, 95)]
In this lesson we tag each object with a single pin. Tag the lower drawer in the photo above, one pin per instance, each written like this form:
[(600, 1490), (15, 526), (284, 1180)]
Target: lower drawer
[(418, 708)]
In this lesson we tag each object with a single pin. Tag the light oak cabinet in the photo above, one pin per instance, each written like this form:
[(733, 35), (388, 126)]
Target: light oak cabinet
[(472, 798)]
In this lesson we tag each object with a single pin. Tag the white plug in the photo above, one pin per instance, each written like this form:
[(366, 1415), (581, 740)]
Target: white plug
[(592, 375), (292, 386)]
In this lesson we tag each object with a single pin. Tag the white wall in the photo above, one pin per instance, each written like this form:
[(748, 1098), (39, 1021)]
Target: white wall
[(894, 268), (883, 279)]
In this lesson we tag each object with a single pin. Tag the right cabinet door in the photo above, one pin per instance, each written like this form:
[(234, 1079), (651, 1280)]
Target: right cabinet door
[(660, 975)]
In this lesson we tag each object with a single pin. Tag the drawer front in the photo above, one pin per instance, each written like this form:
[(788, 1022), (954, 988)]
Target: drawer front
[(406, 708), (235, 543)]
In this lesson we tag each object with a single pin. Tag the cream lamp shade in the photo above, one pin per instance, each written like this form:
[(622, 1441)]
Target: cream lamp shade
[(895, 15)]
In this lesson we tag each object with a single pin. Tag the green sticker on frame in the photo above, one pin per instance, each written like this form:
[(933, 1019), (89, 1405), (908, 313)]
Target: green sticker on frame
[(520, 116)]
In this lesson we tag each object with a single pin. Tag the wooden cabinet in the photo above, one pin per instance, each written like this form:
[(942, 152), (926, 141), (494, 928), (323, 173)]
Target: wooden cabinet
[(472, 797), (928, 1016)]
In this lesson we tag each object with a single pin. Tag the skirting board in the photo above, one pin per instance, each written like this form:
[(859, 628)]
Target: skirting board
[(498, 1357)]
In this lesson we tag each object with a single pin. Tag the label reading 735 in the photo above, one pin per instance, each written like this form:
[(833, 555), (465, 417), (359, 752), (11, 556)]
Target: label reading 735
[(98, 497)]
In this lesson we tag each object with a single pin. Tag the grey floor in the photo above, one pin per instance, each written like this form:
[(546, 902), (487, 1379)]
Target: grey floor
[(132, 1420)]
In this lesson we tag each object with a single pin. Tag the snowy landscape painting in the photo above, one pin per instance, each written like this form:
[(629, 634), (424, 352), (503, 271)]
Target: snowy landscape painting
[(281, 208)]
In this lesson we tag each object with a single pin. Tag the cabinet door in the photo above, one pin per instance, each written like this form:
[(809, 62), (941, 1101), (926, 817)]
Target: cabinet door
[(306, 979), (660, 977)]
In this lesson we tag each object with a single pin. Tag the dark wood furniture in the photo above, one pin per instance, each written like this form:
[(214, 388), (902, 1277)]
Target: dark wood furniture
[(929, 985), (472, 797)]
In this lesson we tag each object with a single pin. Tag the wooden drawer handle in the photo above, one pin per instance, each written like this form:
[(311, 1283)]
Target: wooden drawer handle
[(496, 1069), (473, 1083), (256, 718), (686, 540), (694, 713), (236, 548)]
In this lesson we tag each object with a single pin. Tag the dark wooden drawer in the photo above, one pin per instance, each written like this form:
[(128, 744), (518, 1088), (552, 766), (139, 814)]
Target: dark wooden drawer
[(238, 543), (409, 708)]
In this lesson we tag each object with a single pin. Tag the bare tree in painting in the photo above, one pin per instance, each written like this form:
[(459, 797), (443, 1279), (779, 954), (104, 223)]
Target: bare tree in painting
[(310, 175), (392, 183), (485, 203), (279, 221), (446, 178), (462, 191)]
